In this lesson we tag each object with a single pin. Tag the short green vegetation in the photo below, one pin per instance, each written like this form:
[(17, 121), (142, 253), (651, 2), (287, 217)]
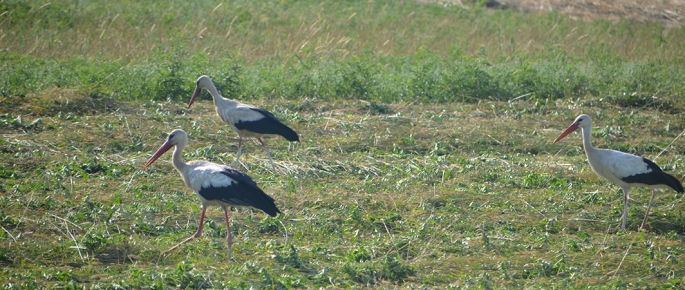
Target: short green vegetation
[(426, 158)]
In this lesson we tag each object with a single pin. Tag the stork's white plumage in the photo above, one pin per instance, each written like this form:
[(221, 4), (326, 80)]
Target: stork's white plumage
[(214, 184), (248, 121), (626, 170)]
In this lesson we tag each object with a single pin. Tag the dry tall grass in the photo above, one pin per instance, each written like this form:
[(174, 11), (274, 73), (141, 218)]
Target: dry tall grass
[(131, 30)]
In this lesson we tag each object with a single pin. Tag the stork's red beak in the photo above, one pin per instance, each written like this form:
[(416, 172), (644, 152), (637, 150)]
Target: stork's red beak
[(195, 94), (163, 149), (570, 129)]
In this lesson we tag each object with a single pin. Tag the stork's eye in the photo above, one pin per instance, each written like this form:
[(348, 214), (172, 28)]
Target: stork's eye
[(171, 136)]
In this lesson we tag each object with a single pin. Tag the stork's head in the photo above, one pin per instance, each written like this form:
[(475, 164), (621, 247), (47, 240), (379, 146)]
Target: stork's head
[(203, 82), (177, 137), (582, 121)]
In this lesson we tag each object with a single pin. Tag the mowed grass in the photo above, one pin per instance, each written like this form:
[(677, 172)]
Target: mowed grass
[(416, 195), (426, 158)]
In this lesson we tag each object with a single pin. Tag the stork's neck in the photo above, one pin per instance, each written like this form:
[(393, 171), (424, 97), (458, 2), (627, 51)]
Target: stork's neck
[(587, 143), (219, 101), (177, 159)]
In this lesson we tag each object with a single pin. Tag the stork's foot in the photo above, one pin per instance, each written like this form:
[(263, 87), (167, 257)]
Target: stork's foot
[(642, 227), (195, 236), (229, 241), (167, 252)]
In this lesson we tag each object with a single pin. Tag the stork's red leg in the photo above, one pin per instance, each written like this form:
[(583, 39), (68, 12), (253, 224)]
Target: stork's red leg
[(644, 222), (626, 192), (240, 151), (195, 236), (229, 236), (267, 154)]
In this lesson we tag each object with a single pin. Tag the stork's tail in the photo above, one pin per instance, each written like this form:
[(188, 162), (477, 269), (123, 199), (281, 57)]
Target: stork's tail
[(270, 209), (268, 205), (673, 182), (289, 134)]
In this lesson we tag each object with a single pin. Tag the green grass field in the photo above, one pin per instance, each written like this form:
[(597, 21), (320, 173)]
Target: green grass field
[(426, 158)]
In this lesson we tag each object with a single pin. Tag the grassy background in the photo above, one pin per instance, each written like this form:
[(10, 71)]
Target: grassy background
[(426, 156)]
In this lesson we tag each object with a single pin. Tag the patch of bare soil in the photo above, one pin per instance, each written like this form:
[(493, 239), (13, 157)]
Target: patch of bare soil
[(669, 13)]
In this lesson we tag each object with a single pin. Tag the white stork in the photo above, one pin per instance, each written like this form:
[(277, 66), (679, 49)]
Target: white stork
[(214, 184), (626, 170), (248, 121)]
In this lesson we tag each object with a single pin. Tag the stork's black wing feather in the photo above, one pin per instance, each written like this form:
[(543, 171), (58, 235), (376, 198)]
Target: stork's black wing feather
[(243, 192), (268, 125), (656, 176)]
